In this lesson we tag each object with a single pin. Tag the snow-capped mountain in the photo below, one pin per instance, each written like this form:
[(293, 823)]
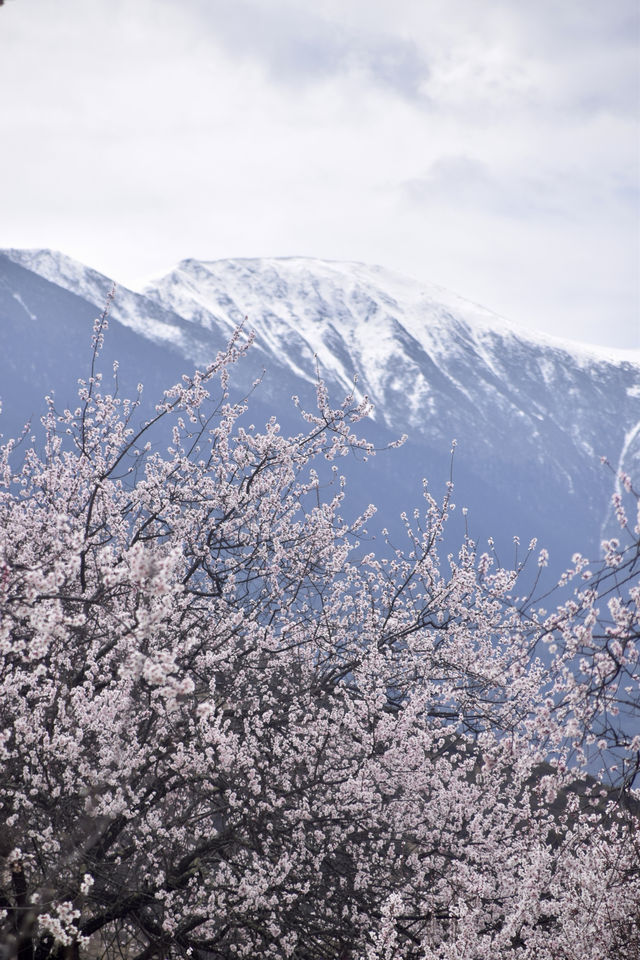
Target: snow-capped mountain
[(532, 416), (428, 359)]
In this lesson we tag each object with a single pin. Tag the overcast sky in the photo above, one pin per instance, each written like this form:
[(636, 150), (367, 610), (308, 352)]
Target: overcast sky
[(490, 146)]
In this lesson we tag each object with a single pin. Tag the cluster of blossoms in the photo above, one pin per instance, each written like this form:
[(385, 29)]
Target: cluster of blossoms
[(227, 731)]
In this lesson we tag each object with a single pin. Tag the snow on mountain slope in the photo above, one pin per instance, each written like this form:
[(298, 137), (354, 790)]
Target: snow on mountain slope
[(309, 288), (132, 310), (532, 415), (430, 361)]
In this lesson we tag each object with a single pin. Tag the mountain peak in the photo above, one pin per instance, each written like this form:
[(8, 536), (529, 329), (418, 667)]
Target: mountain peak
[(299, 280), (532, 415)]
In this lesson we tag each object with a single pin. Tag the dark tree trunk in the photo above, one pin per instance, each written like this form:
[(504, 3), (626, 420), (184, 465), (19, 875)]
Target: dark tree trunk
[(23, 920)]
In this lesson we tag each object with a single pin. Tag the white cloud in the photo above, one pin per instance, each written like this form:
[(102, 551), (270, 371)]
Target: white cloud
[(489, 147)]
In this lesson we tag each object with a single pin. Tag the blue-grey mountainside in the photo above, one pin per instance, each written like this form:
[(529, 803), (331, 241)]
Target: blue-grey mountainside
[(532, 416)]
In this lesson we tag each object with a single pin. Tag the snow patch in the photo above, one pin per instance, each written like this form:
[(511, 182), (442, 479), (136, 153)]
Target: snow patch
[(16, 296)]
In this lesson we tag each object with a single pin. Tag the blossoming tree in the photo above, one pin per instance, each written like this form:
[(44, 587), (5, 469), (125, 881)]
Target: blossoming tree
[(229, 730)]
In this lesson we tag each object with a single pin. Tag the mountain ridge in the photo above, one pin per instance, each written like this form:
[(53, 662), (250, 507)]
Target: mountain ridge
[(47, 263), (615, 354), (532, 414)]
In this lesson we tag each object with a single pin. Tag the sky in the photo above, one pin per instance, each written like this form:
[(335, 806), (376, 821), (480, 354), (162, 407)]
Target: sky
[(488, 146)]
